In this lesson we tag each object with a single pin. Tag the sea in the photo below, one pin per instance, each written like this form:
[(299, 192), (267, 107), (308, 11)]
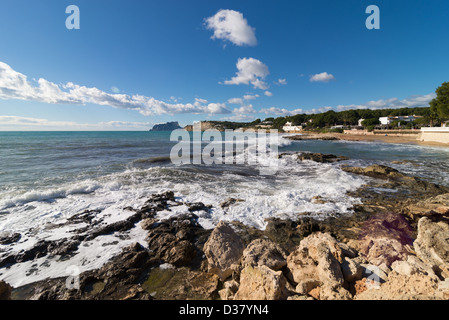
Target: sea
[(47, 177)]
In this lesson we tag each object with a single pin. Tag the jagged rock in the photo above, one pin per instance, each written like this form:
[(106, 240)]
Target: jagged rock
[(432, 244), (352, 271), (385, 238), (316, 264), (223, 249), (229, 201), (264, 252), (387, 173), (438, 205), (172, 240), (5, 291), (261, 283), (10, 238), (317, 157), (412, 266)]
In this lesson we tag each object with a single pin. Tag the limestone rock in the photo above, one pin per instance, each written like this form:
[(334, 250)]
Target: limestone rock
[(402, 287), (438, 205), (352, 271), (315, 267), (385, 238), (432, 244), (261, 283), (223, 249), (264, 252)]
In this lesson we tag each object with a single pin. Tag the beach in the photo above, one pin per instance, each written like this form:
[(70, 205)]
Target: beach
[(397, 139)]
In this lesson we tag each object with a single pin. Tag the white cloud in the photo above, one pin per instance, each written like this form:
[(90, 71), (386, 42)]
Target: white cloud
[(15, 85), (268, 93), (115, 90), (250, 71), (250, 96), (280, 111), (27, 123), (282, 82), (392, 103), (230, 25), (235, 101), (322, 77)]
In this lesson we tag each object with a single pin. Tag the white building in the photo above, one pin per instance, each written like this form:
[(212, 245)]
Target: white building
[(388, 120), (288, 127), (360, 122)]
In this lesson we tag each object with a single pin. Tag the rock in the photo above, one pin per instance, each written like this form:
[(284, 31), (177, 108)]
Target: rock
[(317, 157), (5, 291), (316, 263), (261, 283), (403, 287), (10, 238), (385, 238), (172, 240), (169, 126), (181, 284), (438, 205), (229, 201), (264, 252), (387, 173), (352, 271), (223, 249), (412, 266), (329, 292), (432, 244)]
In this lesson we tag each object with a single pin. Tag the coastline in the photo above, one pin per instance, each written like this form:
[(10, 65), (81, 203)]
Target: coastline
[(406, 139), (395, 242)]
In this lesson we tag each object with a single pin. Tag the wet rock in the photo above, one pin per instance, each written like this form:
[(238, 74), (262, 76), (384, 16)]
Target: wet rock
[(198, 206), (317, 157), (264, 252), (5, 291), (173, 240), (229, 201), (9, 239), (397, 178), (223, 249), (261, 283)]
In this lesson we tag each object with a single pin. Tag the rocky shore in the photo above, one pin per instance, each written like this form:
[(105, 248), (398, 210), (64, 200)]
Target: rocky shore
[(395, 246)]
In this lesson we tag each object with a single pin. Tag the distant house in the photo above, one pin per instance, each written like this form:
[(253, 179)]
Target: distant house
[(360, 122), (388, 120), (289, 127)]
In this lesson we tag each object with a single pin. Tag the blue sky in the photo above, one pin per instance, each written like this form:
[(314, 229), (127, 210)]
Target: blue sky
[(133, 64)]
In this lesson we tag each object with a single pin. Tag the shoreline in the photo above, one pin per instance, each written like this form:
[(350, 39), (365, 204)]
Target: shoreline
[(406, 139)]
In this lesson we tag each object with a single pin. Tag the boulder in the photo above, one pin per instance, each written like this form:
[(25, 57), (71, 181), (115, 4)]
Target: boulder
[(261, 283), (316, 264), (223, 249), (5, 291), (264, 252), (432, 244)]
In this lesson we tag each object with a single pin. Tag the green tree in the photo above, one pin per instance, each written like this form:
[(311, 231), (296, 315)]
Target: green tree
[(372, 122), (440, 105)]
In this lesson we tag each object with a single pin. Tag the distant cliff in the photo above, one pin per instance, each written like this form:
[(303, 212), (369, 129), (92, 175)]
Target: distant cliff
[(169, 126)]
